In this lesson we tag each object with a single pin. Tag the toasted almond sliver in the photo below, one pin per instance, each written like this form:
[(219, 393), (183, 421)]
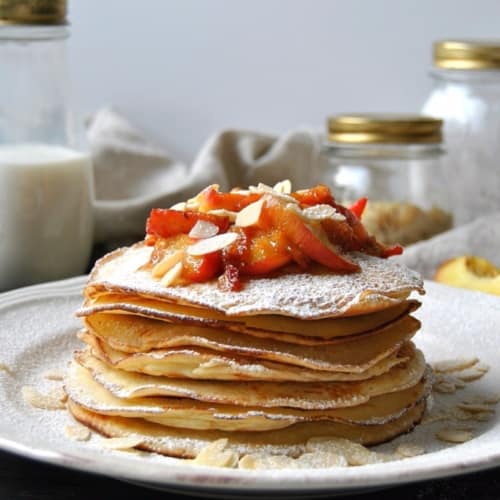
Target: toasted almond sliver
[(356, 454), (172, 275), (482, 367), (321, 460), (250, 215), (475, 407), (409, 450), (470, 374), (121, 443), (283, 187), (322, 212), (453, 365), (77, 432), (445, 387), (248, 462), (203, 229), (215, 455), (181, 206), (58, 393), (56, 375), (213, 244), (454, 435), (42, 401), (167, 263)]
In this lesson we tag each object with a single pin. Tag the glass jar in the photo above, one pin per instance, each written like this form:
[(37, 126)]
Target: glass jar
[(46, 214), (466, 95), (395, 161)]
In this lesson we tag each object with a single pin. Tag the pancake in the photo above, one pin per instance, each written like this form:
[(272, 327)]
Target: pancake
[(262, 328), (87, 392), (313, 395), (187, 443), (193, 362), (380, 284), (140, 335), (292, 330)]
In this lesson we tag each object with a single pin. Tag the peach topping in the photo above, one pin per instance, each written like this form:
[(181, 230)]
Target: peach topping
[(248, 233)]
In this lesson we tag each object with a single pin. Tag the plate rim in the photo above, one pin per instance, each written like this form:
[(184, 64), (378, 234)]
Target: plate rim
[(209, 478)]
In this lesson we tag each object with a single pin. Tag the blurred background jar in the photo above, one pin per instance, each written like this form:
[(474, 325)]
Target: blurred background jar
[(466, 95), (395, 161), (46, 219)]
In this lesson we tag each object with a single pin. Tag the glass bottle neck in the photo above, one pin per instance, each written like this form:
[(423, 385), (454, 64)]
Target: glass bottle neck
[(34, 87)]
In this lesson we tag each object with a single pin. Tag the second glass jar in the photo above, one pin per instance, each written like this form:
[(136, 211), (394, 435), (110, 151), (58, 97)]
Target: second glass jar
[(395, 161)]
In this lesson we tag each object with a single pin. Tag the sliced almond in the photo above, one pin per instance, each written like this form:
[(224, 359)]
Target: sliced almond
[(77, 432), (454, 435), (215, 455), (470, 374), (42, 401), (167, 263), (321, 460), (453, 365), (283, 187), (121, 443), (408, 450), (203, 229), (322, 212), (265, 189), (213, 244), (475, 407), (250, 215), (181, 206), (172, 275)]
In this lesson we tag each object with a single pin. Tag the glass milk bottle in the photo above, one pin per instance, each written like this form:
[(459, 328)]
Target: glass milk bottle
[(46, 223), (466, 95)]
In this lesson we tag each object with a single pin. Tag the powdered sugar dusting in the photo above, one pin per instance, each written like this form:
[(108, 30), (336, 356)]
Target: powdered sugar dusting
[(381, 282)]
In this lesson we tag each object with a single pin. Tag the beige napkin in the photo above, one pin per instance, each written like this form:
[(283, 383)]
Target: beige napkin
[(132, 175)]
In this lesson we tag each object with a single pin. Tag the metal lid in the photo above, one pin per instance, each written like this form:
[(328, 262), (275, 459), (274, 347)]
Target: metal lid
[(467, 54), (42, 12), (384, 128)]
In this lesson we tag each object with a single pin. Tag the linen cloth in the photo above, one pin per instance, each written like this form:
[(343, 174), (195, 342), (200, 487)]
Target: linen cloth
[(133, 175)]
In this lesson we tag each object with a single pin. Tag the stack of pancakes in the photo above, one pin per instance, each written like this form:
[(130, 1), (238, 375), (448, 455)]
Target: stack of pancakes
[(290, 357)]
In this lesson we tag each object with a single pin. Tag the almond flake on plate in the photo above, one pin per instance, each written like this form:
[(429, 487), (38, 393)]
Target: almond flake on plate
[(476, 407), (215, 455), (454, 435), (77, 432), (453, 365), (408, 450), (120, 443), (41, 401)]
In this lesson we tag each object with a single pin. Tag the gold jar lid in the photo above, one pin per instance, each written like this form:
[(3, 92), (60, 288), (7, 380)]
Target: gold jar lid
[(384, 128), (43, 12), (467, 54)]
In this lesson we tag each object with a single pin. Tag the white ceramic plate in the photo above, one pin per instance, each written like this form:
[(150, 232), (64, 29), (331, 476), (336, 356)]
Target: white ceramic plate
[(38, 327)]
